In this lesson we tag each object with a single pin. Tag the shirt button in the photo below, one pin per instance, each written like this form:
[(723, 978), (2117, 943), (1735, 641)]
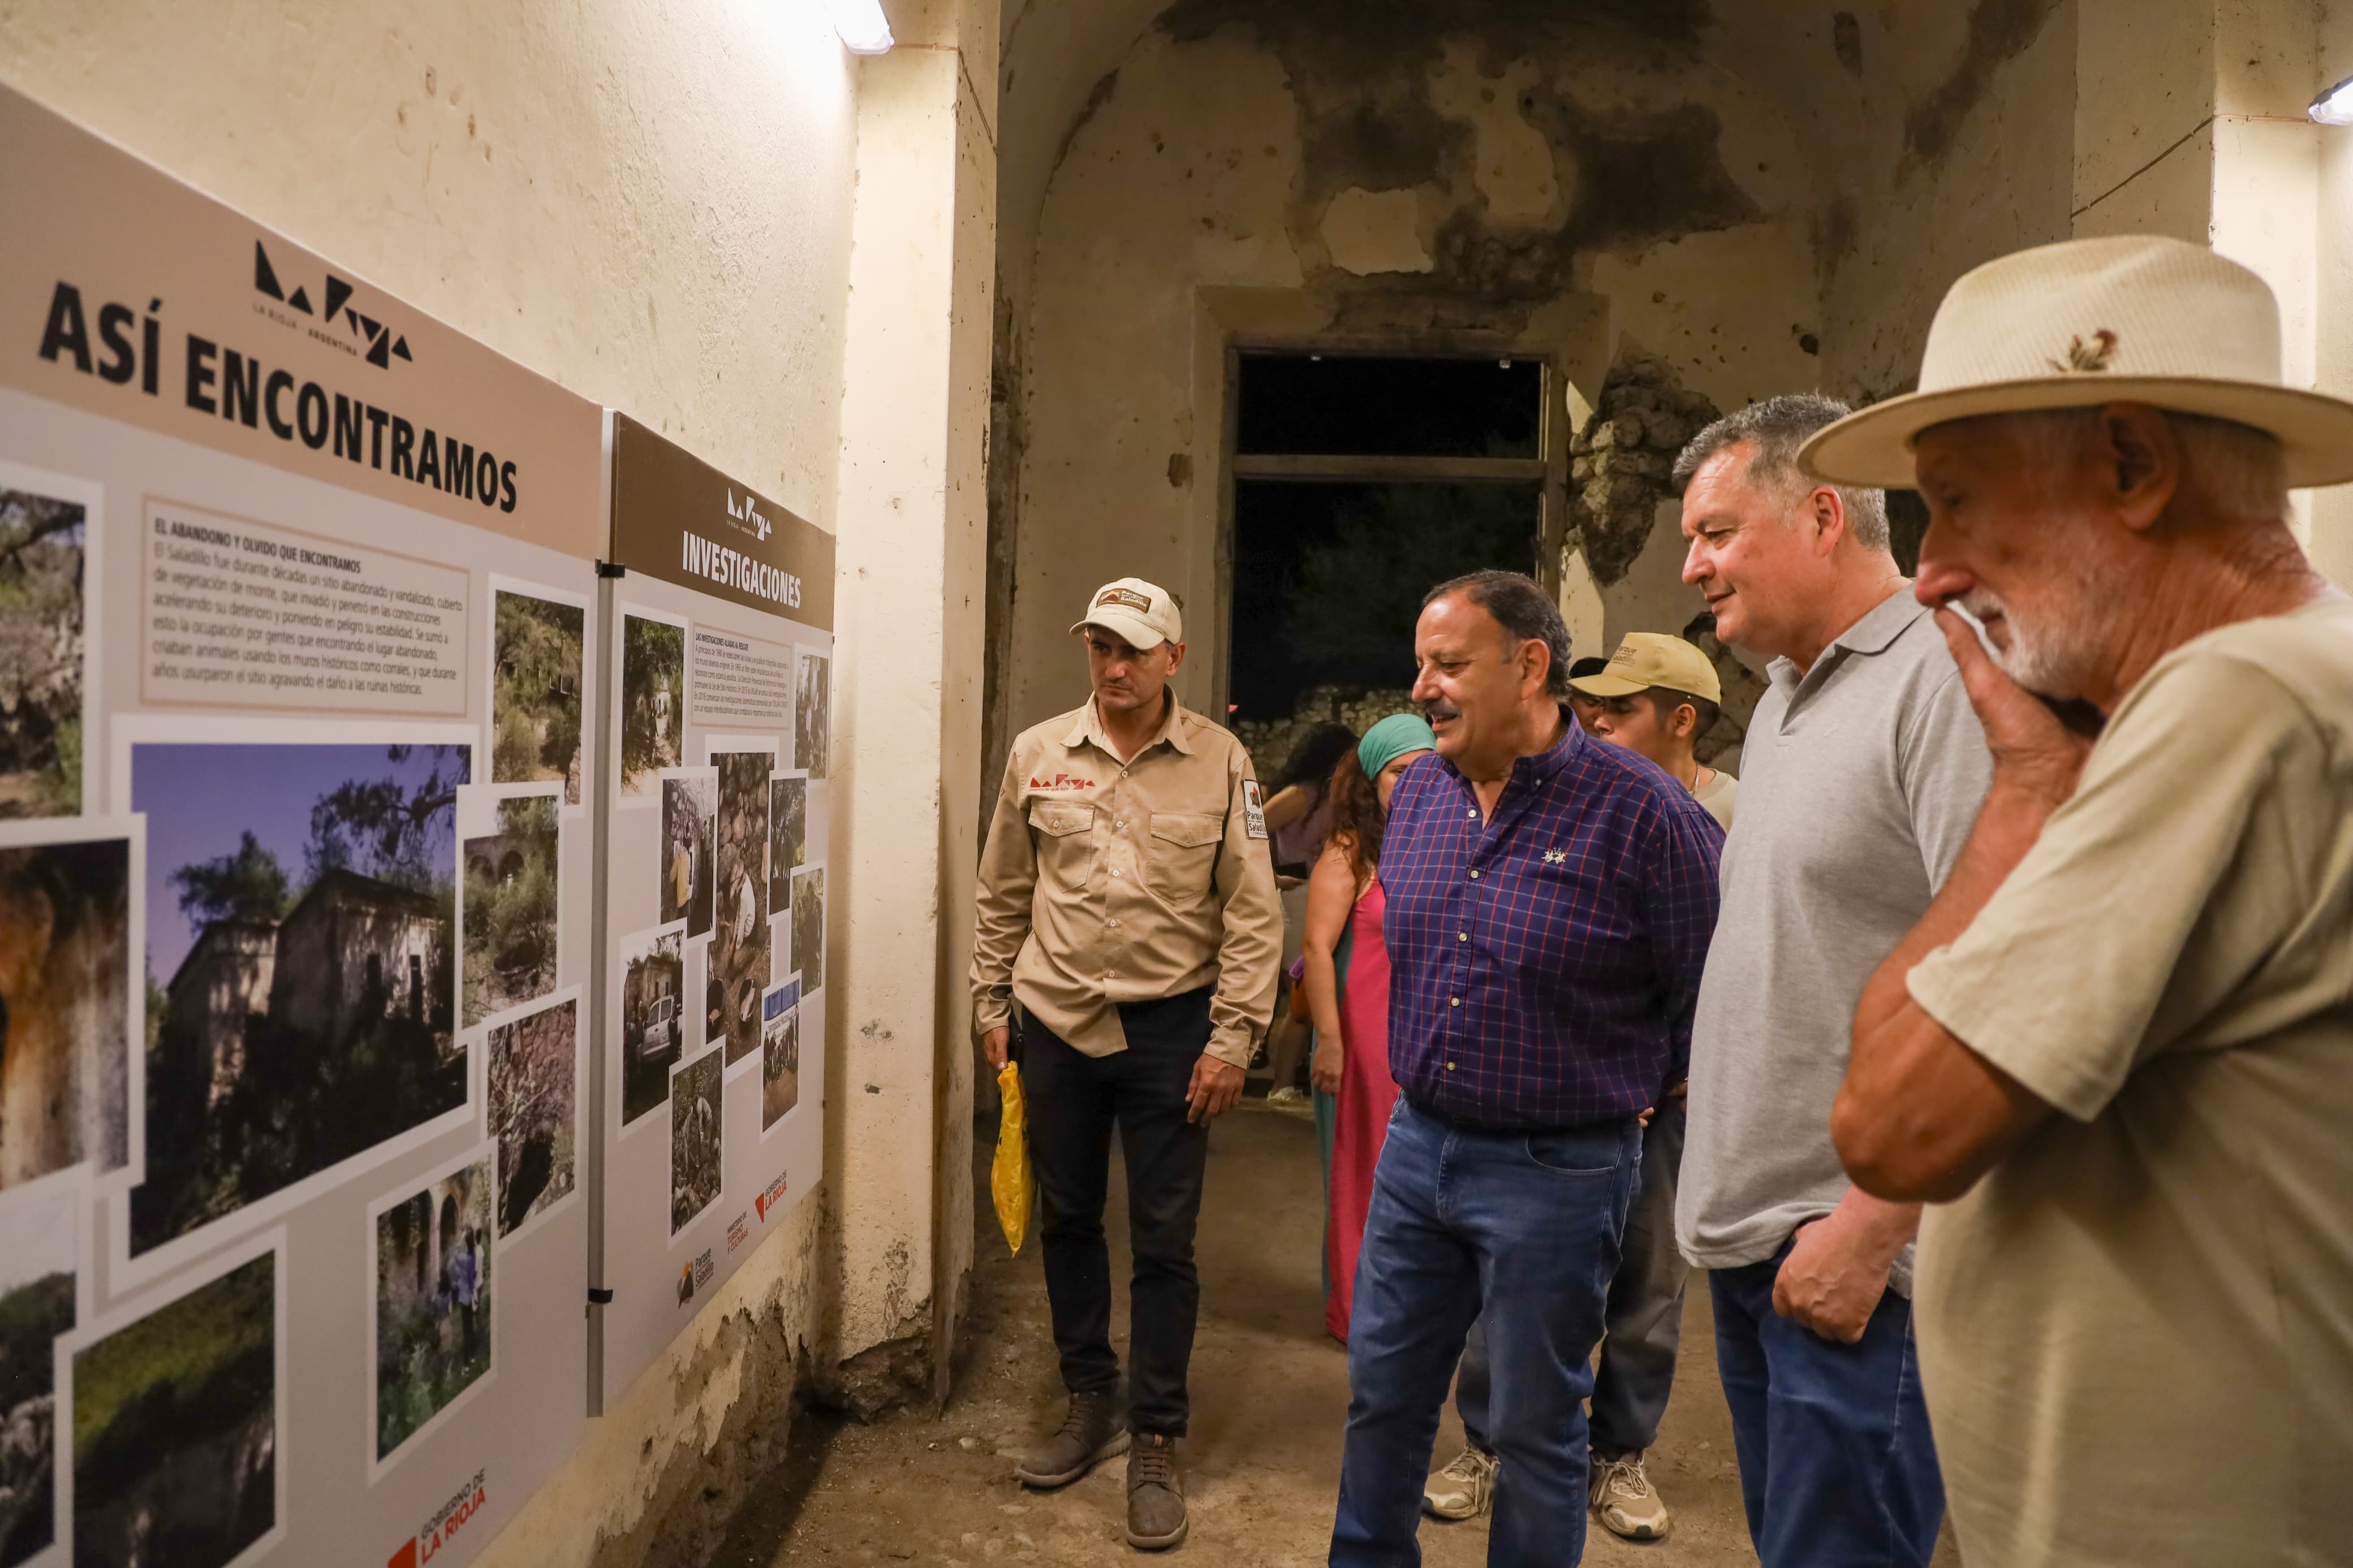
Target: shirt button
[(1114, 924), (1454, 1000), (1449, 1066), (1459, 936), (1474, 876), (1117, 873), (1122, 773), (1475, 817)]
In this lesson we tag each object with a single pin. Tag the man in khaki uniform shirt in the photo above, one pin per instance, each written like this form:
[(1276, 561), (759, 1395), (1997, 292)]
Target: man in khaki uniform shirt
[(1127, 903), (2117, 1054)]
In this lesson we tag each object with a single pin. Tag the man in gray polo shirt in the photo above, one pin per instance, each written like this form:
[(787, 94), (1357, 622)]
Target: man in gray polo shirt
[(1861, 779)]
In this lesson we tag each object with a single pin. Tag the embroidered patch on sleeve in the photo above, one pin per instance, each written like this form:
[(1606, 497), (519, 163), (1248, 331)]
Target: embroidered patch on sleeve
[(1253, 809)]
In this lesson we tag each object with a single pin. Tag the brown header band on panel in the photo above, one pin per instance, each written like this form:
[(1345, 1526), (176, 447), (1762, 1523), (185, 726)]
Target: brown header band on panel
[(677, 518), (129, 295)]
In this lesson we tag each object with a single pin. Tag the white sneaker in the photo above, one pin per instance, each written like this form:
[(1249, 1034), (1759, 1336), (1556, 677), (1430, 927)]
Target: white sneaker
[(1291, 1101), (1625, 1503), (1464, 1489)]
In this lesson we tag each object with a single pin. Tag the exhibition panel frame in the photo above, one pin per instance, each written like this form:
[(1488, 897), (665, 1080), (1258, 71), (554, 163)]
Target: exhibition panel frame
[(717, 613), (297, 794)]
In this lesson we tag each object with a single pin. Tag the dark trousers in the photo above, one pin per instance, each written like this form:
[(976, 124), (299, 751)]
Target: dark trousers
[(1644, 1320), (1525, 1224), (1837, 1468), (1074, 1100)]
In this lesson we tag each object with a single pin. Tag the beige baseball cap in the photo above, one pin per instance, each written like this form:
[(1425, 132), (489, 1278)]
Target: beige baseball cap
[(1645, 659), (1142, 612), (2125, 319)]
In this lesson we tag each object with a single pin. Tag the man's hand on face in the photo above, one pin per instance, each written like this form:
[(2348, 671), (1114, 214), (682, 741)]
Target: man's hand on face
[(993, 1045), (1217, 1088), (2032, 750), (1829, 1282)]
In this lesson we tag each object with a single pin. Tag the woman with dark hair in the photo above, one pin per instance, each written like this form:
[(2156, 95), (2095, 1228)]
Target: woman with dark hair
[(1347, 985), (1298, 819)]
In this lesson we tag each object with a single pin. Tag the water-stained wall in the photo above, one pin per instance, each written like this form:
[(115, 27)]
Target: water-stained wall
[(1719, 202)]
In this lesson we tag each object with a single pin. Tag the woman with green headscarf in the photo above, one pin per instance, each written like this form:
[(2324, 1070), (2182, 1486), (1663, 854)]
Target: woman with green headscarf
[(1347, 986)]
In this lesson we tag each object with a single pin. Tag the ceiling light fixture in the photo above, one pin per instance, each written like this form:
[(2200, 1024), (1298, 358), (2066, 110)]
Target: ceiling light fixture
[(863, 29), (2334, 107)]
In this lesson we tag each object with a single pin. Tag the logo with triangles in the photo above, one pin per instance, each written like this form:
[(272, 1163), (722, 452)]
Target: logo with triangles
[(383, 343)]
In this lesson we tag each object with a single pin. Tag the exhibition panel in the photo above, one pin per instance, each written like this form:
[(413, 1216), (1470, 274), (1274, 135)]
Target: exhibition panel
[(719, 614), (297, 784)]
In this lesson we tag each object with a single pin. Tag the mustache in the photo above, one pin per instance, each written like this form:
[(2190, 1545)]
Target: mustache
[(1440, 709)]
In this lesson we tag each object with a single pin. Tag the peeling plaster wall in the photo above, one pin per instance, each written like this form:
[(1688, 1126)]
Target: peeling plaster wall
[(1458, 168)]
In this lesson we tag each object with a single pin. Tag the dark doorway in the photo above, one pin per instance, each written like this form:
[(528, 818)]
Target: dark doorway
[(1360, 483)]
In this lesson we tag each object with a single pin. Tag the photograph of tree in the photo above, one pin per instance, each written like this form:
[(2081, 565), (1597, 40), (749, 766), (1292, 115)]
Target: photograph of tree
[(787, 838), (695, 1125), (432, 1301), (533, 1067), (653, 702), (653, 991), (42, 544), (64, 1040), (39, 1239), (299, 965), (535, 692), (175, 1429), (780, 1053), (511, 908), (738, 970), (689, 798), (811, 715), (809, 928)]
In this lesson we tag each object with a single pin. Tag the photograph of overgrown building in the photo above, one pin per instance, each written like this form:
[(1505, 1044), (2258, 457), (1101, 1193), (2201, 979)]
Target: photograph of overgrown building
[(812, 715), (696, 1128), (535, 692), (432, 1301), (301, 962), (739, 947), (787, 838), (43, 542), (532, 1072)]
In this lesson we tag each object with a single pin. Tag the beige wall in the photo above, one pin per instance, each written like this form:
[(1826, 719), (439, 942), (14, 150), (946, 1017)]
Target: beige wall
[(662, 206), (1758, 202)]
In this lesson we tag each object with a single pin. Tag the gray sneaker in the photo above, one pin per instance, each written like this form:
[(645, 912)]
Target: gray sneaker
[(1156, 1494), (1095, 1430)]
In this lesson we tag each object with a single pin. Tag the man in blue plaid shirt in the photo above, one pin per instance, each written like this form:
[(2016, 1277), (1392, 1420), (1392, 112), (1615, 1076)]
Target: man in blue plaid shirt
[(1550, 902)]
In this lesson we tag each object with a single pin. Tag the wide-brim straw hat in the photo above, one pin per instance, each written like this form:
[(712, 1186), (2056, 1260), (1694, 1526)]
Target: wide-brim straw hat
[(2133, 319)]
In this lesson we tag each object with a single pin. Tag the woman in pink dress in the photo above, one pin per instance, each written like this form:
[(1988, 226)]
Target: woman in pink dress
[(1347, 985)]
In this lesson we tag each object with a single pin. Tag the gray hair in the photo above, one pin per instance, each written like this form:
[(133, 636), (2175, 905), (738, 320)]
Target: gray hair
[(1525, 612), (2240, 471), (1774, 430)]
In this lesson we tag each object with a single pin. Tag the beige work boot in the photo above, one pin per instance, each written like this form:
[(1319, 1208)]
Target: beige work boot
[(1464, 1489), (1156, 1493), (1095, 1430), (1624, 1500)]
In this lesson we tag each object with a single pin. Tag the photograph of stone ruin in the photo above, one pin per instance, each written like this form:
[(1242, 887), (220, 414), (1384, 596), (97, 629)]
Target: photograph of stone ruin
[(532, 1073), (809, 928), (739, 945), (301, 962), (653, 702), (510, 910), (535, 692), (175, 1429), (64, 1042), (432, 1302), (37, 1260), (787, 838), (42, 544), (697, 1126)]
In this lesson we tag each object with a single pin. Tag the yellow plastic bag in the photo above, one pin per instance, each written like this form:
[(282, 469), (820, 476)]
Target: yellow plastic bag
[(1008, 1178)]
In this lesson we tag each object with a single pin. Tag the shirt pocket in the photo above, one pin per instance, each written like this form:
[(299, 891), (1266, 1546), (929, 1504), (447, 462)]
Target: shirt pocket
[(1183, 849), (1066, 841)]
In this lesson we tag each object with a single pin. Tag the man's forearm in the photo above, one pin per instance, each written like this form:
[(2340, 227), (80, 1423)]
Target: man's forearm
[(1877, 1229)]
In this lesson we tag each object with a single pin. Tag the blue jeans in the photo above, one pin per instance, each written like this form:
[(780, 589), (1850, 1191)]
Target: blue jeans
[(1643, 1324), (1527, 1226), (1837, 1467)]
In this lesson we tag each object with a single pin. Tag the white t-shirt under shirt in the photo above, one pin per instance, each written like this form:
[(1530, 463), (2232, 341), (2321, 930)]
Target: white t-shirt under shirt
[(1716, 794), (2137, 1334)]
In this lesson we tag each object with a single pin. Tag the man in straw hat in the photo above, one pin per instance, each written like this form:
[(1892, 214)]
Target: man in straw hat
[(1127, 904), (2117, 1054)]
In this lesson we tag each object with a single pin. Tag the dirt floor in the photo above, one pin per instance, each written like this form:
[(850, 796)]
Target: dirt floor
[(1269, 1388)]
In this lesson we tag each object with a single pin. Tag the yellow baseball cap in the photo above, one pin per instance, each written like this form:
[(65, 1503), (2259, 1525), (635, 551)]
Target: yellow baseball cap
[(1645, 659), (1143, 614)]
